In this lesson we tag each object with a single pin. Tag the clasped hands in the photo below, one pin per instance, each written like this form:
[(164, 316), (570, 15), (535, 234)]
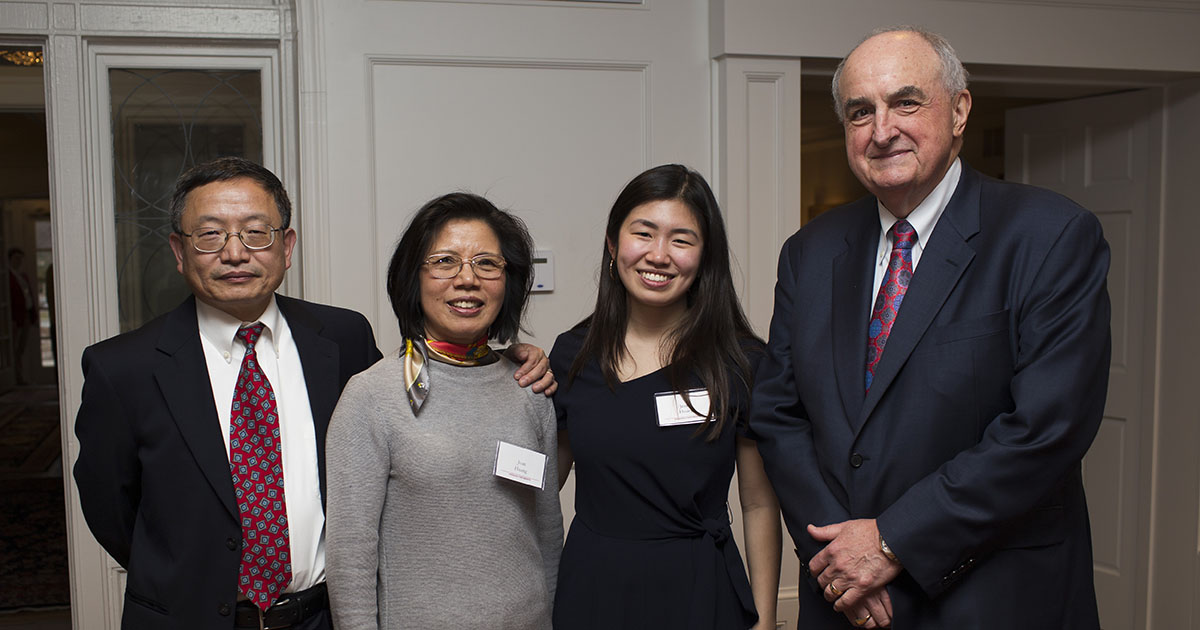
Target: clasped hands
[(853, 572)]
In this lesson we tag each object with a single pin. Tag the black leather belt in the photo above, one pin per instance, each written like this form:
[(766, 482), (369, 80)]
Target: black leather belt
[(291, 609)]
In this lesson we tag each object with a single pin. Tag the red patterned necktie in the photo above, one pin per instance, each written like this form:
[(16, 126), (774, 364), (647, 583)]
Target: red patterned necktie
[(891, 293), (255, 459)]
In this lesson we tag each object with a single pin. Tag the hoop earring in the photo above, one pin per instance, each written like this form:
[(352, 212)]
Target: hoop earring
[(611, 274)]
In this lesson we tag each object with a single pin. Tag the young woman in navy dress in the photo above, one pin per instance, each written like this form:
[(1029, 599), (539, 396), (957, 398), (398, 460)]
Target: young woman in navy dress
[(652, 408)]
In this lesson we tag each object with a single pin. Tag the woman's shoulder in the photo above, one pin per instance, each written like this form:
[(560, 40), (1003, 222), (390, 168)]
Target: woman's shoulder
[(566, 346), (381, 371), (752, 345), (372, 383), (501, 384), (754, 349), (570, 340)]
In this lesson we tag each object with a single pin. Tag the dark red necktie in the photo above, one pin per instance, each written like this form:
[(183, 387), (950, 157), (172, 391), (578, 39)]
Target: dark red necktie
[(891, 293), (256, 461)]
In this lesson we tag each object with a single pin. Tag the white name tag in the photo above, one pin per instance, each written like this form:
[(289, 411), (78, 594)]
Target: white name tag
[(520, 465), (673, 410)]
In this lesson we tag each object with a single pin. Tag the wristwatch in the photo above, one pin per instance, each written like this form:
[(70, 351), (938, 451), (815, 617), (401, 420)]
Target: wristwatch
[(887, 551)]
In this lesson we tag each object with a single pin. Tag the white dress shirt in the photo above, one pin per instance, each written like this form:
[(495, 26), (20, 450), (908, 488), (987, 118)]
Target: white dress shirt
[(280, 362), (923, 218)]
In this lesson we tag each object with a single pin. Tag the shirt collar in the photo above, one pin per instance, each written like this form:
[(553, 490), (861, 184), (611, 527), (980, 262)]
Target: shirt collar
[(925, 216), (220, 328)]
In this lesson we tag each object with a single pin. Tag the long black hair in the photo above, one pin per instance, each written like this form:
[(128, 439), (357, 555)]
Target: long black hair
[(711, 343)]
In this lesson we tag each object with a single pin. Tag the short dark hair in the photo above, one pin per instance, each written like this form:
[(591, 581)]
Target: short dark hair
[(404, 271), (224, 169), (711, 343)]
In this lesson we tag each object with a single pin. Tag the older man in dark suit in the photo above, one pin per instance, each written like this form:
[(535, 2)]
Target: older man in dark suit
[(937, 369), (202, 434)]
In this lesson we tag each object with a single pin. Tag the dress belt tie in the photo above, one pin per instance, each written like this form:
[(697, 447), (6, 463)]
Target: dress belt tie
[(718, 532)]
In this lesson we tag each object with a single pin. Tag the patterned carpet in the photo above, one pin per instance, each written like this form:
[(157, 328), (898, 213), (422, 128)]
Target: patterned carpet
[(33, 532), (29, 439), (33, 543)]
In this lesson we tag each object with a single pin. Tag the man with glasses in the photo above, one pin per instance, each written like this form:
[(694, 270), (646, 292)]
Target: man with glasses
[(201, 467)]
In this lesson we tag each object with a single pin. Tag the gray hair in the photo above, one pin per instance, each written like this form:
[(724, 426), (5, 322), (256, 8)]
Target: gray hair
[(954, 75)]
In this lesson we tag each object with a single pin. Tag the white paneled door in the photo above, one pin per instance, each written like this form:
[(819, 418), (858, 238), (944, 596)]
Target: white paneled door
[(546, 108), (1101, 152)]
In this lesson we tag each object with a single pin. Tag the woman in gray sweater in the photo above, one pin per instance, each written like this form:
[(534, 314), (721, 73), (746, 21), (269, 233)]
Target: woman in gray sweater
[(443, 509)]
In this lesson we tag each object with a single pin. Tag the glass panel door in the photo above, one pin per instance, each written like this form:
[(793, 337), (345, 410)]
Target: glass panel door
[(164, 121)]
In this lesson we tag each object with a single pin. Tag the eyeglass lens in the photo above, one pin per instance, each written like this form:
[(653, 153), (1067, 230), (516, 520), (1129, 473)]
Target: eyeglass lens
[(443, 267), (212, 239)]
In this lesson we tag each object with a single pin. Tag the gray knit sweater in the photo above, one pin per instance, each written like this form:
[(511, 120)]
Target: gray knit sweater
[(419, 533)]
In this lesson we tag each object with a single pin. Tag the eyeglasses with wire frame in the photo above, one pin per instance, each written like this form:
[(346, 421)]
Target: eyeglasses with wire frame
[(209, 240), (444, 266)]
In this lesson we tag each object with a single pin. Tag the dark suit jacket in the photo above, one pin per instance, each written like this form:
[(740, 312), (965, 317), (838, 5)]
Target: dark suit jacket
[(990, 390), (22, 310), (153, 474)]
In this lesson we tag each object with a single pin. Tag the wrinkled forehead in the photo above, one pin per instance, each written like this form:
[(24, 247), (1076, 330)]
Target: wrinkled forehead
[(887, 63), (465, 236), (235, 201)]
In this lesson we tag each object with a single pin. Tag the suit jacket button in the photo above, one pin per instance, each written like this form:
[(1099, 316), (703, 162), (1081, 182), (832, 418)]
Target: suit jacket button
[(231, 543), (856, 460), (224, 610)]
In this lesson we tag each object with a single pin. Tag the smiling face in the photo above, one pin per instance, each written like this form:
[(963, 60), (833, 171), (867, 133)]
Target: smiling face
[(903, 128), (657, 254), (461, 309), (236, 280)]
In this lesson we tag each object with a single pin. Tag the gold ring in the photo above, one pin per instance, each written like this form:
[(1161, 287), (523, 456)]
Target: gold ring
[(862, 621), (833, 589)]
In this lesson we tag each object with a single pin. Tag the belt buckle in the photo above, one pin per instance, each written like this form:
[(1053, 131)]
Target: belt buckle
[(262, 616)]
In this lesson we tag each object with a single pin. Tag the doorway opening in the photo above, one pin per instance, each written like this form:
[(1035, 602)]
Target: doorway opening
[(35, 582)]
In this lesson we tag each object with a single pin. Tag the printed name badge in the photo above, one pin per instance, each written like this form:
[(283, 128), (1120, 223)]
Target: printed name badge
[(520, 465), (673, 410)]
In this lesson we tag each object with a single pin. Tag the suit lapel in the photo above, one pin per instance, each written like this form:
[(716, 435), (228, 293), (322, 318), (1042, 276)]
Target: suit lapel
[(942, 265), (183, 379), (320, 362), (852, 275)]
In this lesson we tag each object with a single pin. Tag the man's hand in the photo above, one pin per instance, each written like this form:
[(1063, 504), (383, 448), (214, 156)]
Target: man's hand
[(535, 368), (853, 571), (875, 611)]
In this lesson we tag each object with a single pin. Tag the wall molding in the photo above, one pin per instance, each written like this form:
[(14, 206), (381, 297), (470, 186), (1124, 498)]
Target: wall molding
[(73, 34), (1183, 6), (375, 62), (757, 148)]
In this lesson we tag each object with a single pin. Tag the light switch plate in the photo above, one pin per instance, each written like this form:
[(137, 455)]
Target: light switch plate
[(543, 271)]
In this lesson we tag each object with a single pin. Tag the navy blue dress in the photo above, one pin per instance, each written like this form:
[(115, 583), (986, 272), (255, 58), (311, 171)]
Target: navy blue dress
[(650, 545)]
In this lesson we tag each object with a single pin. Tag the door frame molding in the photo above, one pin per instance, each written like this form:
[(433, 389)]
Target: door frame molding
[(72, 35)]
